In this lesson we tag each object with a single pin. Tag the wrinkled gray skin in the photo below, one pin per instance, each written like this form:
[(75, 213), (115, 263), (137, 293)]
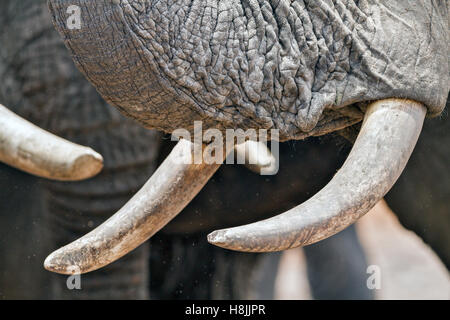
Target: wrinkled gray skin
[(305, 67), (38, 216)]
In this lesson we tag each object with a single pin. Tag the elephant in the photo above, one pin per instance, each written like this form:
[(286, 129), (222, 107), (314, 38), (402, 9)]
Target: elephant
[(42, 85), (297, 68)]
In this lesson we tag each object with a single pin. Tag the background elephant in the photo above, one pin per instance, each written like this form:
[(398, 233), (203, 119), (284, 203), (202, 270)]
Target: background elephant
[(42, 85)]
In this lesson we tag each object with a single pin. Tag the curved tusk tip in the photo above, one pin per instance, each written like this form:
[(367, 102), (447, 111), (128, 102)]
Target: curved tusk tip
[(57, 262), (86, 165), (219, 238)]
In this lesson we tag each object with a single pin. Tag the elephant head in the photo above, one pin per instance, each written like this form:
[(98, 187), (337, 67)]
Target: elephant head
[(301, 67)]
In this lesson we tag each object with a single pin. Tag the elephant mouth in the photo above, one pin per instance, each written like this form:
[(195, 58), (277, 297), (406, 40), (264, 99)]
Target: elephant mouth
[(387, 138)]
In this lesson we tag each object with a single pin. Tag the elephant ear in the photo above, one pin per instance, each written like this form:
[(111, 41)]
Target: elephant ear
[(420, 198)]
